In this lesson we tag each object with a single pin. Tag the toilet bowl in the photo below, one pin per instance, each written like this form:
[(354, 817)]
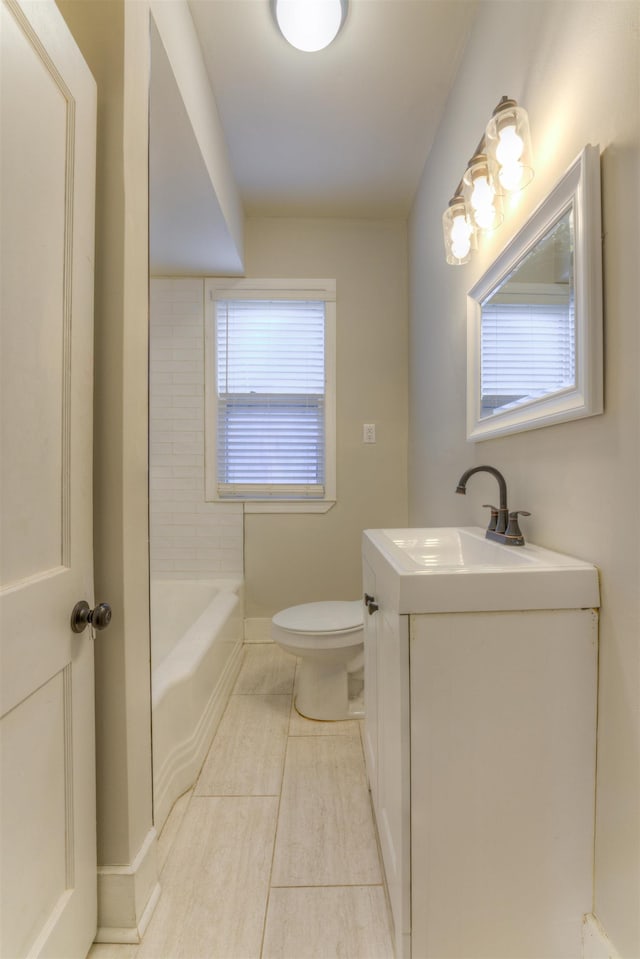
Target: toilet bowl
[(329, 639)]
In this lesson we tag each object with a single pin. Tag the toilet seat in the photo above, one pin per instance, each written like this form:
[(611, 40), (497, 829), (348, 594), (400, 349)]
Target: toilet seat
[(329, 617), (330, 625)]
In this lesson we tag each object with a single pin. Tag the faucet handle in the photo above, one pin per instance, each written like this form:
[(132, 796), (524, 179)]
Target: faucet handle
[(493, 522), (514, 534)]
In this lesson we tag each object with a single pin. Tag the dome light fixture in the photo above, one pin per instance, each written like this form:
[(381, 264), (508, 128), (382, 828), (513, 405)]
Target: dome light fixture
[(309, 25)]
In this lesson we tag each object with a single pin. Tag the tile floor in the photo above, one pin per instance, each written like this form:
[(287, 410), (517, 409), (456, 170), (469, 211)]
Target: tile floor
[(273, 854)]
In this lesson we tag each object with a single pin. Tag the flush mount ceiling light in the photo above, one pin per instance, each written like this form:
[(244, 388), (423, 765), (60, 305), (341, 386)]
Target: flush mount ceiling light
[(309, 25), (501, 165)]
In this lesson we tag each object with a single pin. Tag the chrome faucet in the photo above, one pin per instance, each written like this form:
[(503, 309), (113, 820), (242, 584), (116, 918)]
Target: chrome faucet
[(503, 525)]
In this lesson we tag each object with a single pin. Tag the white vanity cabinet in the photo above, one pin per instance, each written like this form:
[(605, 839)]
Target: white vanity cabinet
[(370, 729), (480, 748), (387, 745)]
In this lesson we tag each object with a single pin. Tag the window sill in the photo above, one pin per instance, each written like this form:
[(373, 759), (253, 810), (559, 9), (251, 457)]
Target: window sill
[(287, 506)]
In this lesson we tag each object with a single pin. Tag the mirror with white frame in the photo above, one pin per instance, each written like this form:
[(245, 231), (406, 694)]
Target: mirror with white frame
[(534, 350)]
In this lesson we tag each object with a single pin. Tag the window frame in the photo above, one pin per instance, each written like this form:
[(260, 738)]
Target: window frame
[(221, 288)]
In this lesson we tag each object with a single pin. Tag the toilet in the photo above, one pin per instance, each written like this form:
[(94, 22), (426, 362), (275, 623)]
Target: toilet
[(329, 639)]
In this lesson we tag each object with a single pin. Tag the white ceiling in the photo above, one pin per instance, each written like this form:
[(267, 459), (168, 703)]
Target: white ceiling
[(342, 132)]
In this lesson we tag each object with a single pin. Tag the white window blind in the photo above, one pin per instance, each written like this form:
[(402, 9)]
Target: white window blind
[(270, 389), (528, 350)]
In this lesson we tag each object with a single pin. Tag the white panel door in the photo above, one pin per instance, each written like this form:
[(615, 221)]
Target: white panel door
[(47, 192)]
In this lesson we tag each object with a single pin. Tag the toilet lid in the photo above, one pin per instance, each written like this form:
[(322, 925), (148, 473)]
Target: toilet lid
[(326, 617)]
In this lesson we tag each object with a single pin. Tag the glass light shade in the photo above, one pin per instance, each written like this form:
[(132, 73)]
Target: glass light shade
[(309, 25), (481, 196), (459, 232), (508, 147)]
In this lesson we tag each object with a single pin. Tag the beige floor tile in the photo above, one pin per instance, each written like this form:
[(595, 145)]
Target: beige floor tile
[(266, 669), (112, 950), (301, 726), (215, 883), (247, 754), (171, 827), (350, 922), (325, 828)]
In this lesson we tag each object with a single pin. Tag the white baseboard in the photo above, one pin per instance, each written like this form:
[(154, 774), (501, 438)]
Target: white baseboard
[(595, 944), (257, 631), (127, 895)]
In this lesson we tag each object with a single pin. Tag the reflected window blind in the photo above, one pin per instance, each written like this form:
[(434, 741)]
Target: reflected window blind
[(270, 378), (527, 350)]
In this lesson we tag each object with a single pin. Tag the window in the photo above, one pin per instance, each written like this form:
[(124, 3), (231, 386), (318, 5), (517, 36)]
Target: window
[(270, 385)]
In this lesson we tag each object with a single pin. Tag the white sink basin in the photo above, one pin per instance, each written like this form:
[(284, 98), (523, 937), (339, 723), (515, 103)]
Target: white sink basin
[(456, 569)]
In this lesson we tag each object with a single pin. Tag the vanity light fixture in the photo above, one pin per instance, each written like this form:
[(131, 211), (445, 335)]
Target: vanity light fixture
[(309, 25), (508, 146), (459, 232), (483, 199), (501, 165)]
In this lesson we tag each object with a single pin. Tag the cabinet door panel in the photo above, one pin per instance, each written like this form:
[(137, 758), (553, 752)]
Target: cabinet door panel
[(503, 720)]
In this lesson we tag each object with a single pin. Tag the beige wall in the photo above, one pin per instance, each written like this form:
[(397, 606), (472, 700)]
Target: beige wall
[(574, 66), (114, 39), (299, 558), (120, 461)]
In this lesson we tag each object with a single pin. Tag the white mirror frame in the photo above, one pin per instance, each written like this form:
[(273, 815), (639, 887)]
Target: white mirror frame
[(579, 188)]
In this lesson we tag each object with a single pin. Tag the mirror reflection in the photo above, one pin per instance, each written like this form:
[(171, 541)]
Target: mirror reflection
[(528, 335)]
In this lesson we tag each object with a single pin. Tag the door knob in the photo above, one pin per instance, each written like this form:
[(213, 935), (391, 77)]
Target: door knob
[(83, 616)]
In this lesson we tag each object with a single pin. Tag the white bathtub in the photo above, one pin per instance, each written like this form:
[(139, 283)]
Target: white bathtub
[(196, 647)]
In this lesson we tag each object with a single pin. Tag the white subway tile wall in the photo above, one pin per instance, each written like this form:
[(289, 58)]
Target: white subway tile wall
[(190, 538)]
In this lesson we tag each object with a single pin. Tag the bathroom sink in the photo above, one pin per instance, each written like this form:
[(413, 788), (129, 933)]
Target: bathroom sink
[(455, 569)]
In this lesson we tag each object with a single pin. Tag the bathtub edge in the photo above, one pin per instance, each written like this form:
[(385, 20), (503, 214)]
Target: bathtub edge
[(179, 769)]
